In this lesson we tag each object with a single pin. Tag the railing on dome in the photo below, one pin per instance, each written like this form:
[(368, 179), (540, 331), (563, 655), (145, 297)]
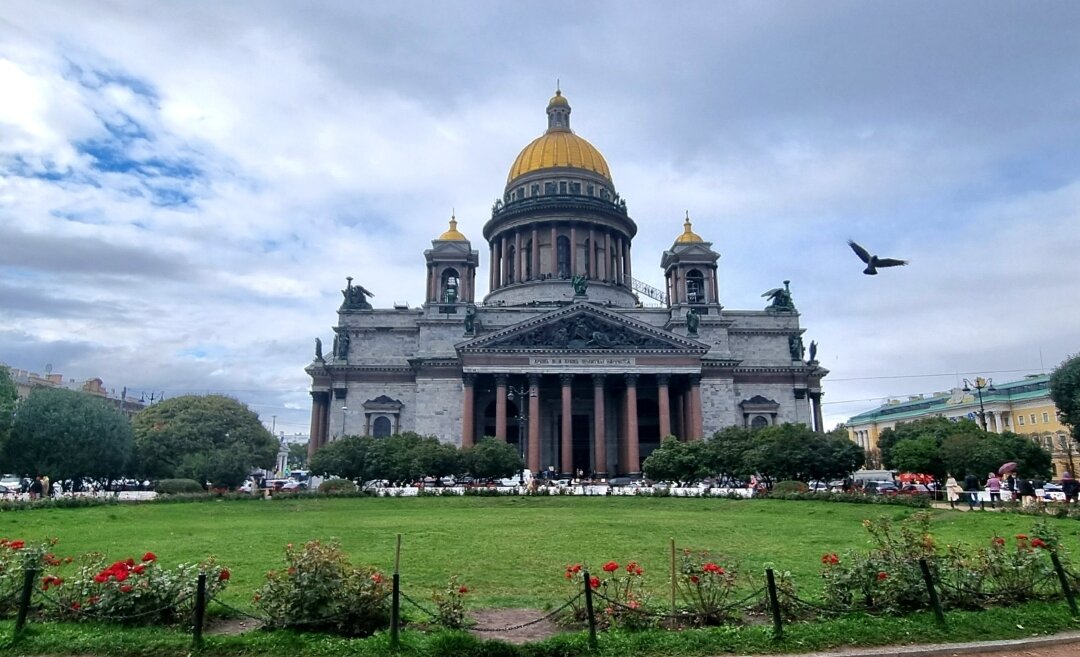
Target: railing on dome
[(560, 201), (642, 287)]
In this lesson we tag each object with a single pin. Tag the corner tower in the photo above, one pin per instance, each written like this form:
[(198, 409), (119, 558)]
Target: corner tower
[(559, 218), (451, 269)]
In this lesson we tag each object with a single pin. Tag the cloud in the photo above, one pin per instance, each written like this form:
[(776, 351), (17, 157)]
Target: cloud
[(183, 188)]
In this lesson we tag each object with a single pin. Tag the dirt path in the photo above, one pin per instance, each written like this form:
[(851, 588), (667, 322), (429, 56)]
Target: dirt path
[(491, 624)]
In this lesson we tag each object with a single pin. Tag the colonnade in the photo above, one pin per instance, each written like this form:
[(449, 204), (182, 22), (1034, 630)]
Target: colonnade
[(517, 255)]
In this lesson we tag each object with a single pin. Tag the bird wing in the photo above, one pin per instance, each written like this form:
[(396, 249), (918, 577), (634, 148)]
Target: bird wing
[(890, 262), (771, 293), (863, 254)]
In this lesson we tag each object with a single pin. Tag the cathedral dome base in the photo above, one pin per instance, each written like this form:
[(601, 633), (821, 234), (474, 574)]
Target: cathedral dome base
[(556, 290)]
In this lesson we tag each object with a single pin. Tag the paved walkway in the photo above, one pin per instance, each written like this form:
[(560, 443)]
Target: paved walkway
[(1058, 645)]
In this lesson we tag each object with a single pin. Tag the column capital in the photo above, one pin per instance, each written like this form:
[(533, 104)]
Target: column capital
[(631, 379), (599, 380), (534, 379), (501, 379), (663, 379), (469, 378), (695, 379), (566, 379)]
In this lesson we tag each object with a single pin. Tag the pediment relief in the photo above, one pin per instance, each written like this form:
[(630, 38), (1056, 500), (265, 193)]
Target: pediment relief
[(582, 328)]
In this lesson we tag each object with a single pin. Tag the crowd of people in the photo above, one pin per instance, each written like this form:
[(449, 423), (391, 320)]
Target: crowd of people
[(1023, 490)]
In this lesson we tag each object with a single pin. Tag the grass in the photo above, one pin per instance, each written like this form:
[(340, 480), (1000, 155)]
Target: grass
[(511, 552)]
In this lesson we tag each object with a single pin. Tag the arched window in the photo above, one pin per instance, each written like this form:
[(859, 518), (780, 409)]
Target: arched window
[(695, 286), (451, 285), (381, 428), (759, 422), (511, 254), (563, 251)]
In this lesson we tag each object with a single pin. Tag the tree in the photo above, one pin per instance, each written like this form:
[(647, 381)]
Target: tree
[(921, 454), (491, 458), (937, 428), (1065, 391), (727, 453), (201, 437), (677, 461), (298, 455), (798, 453), (9, 397), (68, 435), (349, 457)]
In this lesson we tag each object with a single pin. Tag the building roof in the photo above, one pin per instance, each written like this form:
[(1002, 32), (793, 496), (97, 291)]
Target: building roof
[(688, 235), (452, 235), (559, 147), (1030, 387)]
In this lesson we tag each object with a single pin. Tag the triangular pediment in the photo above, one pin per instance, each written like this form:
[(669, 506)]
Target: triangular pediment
[(582, 327)]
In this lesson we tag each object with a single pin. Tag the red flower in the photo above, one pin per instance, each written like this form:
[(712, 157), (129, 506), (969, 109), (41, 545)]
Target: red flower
[(830, 559), (130, 562), (638, 571), (120, 575), (694, 579), (1021, 537), (17, 545), (882, 576), (631, 567), (594, 582), (138, 570), (463, 590), (126, 588), (1038, 543), (101, 578), (999, 541), (375, 577), (611, 567), (224, 575), (149, 556), (76, 606), (712, 568)]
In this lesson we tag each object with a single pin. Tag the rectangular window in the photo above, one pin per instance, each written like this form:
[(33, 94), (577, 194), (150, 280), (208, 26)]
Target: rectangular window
[(575, 188), (1033, 418), (1020, 418), (562, 187), (1046, 418)]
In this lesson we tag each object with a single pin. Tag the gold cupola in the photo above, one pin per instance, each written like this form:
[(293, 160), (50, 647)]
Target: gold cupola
[(453, 235), (688, 235), (558, 147)]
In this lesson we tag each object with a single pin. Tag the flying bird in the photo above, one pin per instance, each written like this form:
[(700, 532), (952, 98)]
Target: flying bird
[(872, 261)]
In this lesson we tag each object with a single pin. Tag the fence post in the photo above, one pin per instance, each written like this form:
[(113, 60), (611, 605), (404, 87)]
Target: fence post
[(589, 609), (200, 611), (934, 602), (395, 598), (1065, 587), (29, 577), (774, 604), (673, 582)]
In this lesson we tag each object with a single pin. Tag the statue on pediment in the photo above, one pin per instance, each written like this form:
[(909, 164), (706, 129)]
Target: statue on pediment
[(780, 298), (692, 321), (355, 296), (581, 284)]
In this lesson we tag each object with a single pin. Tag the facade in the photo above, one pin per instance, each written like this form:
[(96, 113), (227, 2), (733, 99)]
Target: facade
[(563, 357), (1023, 407), (25, 382)]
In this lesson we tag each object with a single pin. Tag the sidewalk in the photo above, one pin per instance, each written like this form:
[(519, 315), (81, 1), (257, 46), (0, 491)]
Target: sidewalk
[(1066, 644)]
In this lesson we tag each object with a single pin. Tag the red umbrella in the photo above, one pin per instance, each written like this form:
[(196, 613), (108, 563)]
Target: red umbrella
[(1008, 467)]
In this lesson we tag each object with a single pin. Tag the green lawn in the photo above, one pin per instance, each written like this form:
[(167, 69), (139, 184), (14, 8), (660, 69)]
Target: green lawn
[(510, 551)]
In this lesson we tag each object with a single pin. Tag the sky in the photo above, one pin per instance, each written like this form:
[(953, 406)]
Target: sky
[(185, 186)]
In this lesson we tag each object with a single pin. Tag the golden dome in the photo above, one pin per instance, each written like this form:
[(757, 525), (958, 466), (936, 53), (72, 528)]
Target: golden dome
[(558, 147), (688, 236), (453, 235)]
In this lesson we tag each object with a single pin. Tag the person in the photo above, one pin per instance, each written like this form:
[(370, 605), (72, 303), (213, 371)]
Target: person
[(971, 489), (1010, 482), (45, 485), (1027, 492), (35, 488), (1070, 486), (952, 491), (993, 484)]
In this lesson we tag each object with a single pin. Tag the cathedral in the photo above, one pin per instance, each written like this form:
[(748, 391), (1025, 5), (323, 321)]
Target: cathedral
[(568, 357)]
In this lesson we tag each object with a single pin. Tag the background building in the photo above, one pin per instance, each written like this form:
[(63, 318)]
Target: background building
[(568, 356), (25, 381), (1022, 407)]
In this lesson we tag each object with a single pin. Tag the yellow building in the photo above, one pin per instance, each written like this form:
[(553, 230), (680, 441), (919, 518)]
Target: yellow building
[(1023, 407)]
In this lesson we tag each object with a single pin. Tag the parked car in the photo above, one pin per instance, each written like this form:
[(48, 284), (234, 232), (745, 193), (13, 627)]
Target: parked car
[(916, 490), (880, 488), (294, 486)]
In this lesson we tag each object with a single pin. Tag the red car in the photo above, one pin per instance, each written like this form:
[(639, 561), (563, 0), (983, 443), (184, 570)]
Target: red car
[(916, 490)]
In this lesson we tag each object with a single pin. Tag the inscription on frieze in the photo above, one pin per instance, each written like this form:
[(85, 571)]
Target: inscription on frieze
[(541, 361)]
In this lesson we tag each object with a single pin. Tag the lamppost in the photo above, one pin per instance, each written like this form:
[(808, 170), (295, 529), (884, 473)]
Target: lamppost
[(522, 418), (980, 384), (344, 408)]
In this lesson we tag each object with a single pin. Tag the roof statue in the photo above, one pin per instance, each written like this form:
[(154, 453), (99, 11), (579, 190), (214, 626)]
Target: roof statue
[(318, 349), (813, 351), (355, 296), (780, 298)]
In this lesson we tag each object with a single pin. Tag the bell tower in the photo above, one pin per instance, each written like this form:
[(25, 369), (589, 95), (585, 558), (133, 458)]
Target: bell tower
[(451, 269), (690, 270)]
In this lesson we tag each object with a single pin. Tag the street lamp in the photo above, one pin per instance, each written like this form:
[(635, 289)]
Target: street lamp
[(522, 418), (980, 384), (343, 409)]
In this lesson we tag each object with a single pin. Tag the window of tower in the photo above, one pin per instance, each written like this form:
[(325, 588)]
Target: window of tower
[(563, 253), (510, 262), (604, 194), (562, 187), (695, 286), (590, 191), (451, 285), (575, 188), (549, 188), (521, 192), (535, 190)]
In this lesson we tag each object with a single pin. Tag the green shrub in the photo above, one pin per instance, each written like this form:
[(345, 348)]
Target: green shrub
[(332, 486), (178, 487), (320, 591), (790, 487)]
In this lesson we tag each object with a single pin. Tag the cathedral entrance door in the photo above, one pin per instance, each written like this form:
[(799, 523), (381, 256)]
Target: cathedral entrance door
[(582, 443)]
